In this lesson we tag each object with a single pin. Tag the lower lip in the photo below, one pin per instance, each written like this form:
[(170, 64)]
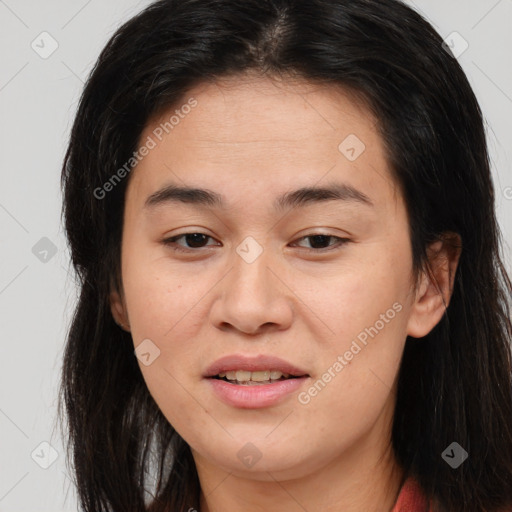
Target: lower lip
[(255, 396)]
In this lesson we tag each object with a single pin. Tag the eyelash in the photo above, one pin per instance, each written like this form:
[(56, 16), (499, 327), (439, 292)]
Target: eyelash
[(170, 242)]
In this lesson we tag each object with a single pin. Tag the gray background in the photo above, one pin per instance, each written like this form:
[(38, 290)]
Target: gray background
[(38, 98)]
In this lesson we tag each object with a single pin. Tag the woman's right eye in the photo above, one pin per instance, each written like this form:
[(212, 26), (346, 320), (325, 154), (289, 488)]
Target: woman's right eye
[(195, 239)]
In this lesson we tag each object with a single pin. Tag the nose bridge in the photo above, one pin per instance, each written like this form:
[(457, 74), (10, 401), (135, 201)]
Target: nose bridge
[(250, 265)]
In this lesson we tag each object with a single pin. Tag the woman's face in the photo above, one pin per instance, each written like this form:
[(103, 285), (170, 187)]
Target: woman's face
[(321, 280)]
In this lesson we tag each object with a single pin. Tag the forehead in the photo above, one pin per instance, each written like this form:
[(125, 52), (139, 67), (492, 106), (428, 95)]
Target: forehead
[(251, 132), (239, 107)]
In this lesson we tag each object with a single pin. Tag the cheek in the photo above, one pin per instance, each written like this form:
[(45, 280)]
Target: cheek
[(165, 307), (157, 294), (365, 296), (355, 381), (366, 313)]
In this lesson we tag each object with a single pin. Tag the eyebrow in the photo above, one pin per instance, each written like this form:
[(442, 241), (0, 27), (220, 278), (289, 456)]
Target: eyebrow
[(292, 199)]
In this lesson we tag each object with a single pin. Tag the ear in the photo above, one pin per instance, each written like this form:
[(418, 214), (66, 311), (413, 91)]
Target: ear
[(435, 288), (118, 309)]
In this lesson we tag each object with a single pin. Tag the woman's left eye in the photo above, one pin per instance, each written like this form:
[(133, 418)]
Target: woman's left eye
[(195, 241), (320, 239)]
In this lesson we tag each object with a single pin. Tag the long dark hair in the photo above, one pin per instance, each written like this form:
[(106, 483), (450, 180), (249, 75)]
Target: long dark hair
[(455, 384)]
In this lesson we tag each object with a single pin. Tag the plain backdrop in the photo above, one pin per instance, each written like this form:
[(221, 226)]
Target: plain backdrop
[(38, 99)]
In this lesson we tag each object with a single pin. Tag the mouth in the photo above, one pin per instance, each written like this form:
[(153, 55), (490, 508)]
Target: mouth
[(248, 382), (242, 370), (255, 378)]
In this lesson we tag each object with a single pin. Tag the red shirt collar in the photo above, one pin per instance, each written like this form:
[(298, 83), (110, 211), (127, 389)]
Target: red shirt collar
[(411, 498)]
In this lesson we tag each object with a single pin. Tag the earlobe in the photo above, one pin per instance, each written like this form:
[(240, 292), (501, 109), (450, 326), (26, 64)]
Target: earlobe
[(118, 309), (435, 289)]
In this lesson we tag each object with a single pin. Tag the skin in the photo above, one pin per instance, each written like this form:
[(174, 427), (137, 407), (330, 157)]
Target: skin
[(252, 139)]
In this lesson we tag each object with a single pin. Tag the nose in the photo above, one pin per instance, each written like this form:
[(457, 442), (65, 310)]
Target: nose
[(254, 297)]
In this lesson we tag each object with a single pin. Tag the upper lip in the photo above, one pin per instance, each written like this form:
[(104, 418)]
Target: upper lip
[(252, 364)]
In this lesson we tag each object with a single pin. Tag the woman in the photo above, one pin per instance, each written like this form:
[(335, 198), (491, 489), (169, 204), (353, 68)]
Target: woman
[(291, 289)]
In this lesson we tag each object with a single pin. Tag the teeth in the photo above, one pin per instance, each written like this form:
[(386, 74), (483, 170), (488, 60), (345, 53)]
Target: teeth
[(243, 376), (259, 376)]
